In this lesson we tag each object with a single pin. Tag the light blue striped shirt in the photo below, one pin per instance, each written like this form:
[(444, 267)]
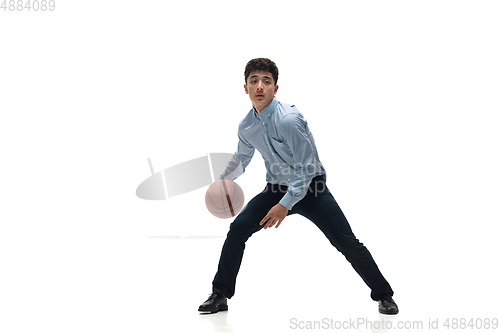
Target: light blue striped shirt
[(281, 134)]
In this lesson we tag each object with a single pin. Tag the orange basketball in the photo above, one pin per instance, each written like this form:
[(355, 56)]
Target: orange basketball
[(224, 198)]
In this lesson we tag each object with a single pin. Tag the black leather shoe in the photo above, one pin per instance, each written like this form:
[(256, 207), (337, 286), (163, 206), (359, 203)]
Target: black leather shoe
[(386, 305), (215, 303)]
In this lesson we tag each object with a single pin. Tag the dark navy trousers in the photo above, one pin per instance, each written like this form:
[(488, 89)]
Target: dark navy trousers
[(320, 207)]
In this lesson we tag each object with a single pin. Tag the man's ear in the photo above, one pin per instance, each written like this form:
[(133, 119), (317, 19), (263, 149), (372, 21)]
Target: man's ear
[(246, 90), (276, 89)]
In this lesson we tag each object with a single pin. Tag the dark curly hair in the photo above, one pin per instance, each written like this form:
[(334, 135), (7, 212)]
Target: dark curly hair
[(261, 64)]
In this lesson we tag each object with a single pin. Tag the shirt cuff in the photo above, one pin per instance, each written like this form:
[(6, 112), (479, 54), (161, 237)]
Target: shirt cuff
[(288, 201)]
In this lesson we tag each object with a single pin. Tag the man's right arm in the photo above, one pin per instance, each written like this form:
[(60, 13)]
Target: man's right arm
[(237, 165)]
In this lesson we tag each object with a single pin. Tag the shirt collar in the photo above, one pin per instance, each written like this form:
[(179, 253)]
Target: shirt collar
[(268, 110)]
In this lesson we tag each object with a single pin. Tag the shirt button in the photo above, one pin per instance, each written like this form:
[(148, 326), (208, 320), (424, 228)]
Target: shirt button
[(288, 179)]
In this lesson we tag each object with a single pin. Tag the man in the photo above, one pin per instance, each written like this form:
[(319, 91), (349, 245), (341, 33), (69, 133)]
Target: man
[(296, 183)]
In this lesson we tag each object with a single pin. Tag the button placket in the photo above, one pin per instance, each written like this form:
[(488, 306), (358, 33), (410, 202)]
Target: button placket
[(266, 137)]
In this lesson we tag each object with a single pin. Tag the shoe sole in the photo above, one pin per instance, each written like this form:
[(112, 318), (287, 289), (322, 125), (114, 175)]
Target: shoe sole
[(389, 312), (220, 308)]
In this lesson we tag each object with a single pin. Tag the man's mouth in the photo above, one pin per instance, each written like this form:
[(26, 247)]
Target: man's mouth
[(259, 96)]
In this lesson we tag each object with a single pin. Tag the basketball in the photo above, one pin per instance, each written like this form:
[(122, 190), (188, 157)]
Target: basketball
[(224, 199)]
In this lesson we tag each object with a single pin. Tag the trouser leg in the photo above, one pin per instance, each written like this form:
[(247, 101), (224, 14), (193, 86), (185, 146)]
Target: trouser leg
[(244, 225), (320, 207)]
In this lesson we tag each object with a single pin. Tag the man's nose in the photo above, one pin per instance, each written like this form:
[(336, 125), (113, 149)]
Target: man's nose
[(260, 85)]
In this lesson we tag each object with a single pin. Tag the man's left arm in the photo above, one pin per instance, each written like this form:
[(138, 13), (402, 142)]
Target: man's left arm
[(296, 133), (294, 129)]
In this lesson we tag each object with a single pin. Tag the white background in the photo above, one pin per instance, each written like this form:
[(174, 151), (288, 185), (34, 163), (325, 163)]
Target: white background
[(402, 98)]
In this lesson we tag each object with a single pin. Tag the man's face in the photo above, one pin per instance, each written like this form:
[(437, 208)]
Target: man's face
[(261, 89)]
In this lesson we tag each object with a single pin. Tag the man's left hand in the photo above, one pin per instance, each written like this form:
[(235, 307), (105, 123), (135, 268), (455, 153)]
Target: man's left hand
[(275, 215)]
